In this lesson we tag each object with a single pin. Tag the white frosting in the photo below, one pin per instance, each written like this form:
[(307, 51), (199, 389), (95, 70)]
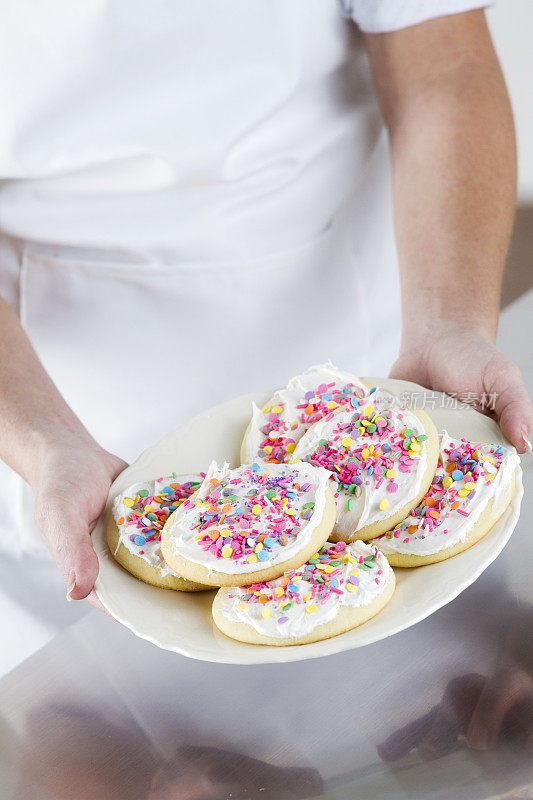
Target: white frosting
[(290, 398), (452, 526), (355, 512), (182, 529), (298, 621), (149, 551)]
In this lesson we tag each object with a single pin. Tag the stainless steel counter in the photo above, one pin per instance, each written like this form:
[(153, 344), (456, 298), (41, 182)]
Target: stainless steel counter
[(99, 714)]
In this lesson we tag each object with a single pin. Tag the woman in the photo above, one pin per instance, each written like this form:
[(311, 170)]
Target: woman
[(195, 204)]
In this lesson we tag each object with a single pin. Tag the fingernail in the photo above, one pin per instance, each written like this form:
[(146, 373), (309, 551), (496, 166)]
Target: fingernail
[(479, 739), (525, 440), (71, 584)]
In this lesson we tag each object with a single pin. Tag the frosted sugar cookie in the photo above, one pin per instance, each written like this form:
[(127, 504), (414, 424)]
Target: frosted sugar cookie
[(135, 524), (340, 587), (382, 456), (275, 430), (472, 487), (250, 523)]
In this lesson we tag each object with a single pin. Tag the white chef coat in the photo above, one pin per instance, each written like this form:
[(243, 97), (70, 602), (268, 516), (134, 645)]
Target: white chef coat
[(194, 204)]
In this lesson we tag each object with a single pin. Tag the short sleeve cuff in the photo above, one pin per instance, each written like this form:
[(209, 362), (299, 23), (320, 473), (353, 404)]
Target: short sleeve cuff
[(382, 16)]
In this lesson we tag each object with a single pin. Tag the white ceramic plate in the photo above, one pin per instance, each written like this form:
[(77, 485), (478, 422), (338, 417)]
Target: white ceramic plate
[(182, 622)]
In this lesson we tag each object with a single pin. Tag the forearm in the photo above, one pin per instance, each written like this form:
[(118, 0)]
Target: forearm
[(453, 170), (454, 178), (32, 412)]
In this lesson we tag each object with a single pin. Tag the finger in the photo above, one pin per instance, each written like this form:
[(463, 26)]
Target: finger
[(68, 539), (402, 741), (500, 693), (458, 703), (95, 601), (513, 408)]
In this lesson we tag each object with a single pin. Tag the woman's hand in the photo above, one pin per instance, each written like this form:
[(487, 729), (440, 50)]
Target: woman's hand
[(467, 362), (71, 484)]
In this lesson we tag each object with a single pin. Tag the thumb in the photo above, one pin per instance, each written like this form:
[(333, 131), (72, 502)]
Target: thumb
[(513, 408), (68, 539)]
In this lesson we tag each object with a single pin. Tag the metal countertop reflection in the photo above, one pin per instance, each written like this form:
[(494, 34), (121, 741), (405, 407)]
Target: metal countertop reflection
[(101, 714)]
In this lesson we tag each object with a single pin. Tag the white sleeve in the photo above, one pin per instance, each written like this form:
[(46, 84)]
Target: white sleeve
[(379, 16)]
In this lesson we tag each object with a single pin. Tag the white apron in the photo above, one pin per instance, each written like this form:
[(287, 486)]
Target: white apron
[(194, 205)]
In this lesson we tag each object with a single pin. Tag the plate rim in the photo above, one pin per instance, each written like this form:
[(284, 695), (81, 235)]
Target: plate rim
[(263, 654)]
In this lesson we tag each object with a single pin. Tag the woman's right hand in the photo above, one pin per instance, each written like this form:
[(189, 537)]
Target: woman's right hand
[(71, 484)]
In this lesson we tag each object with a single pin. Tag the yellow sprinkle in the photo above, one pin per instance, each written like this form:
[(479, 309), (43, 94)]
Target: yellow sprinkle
[(267, 409), (283, 502), (328, 569), (227, 551), (447, 481), (268, 449), (243, 607), (285, 603), (384, 504), (391, 474), (368, 411), (307, 597), (225, 532), (265, 613), (278, 591), (347, 441), (290, 511), (259, 547), (476, 454), (148, 508), (331, 404), (128, 502), (277, 410), (470, 485), (354, 573), (256, 509), (291, 447), (415, 446), (463, 492), (311, 609), (365, 452), (350, 587), (349, 558), (205, 506), (252, 558)]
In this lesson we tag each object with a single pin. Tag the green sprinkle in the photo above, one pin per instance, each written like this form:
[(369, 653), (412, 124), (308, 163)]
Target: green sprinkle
[(271, 494), (143, 493), (350, 504), (371, 428), (421, 438), (308, 505), (323, 441)]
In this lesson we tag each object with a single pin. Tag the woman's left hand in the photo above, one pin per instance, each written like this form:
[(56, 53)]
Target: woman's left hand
[(467, 365)]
